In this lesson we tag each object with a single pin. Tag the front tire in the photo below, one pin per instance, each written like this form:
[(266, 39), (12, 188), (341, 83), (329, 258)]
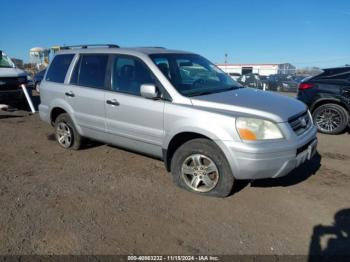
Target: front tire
[(66, 133), (330, 118), (199, 166)]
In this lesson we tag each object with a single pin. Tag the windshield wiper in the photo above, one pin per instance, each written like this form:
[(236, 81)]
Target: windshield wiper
[(214, 91), (202, 93)]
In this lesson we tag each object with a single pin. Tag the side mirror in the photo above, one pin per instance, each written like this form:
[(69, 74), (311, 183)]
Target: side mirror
[(0, 54), (149, 91)]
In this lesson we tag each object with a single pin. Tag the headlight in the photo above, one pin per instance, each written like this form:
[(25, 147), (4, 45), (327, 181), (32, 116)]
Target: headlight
[(257, 129)]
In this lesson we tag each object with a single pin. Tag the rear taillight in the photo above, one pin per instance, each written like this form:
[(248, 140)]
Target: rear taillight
[(303, 86)]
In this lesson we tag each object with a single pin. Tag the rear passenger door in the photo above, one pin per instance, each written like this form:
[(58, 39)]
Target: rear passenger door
[(86, 93), (53, 87), (130, 117)]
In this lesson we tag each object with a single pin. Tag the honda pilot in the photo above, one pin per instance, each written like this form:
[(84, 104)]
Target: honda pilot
[(179, 107)]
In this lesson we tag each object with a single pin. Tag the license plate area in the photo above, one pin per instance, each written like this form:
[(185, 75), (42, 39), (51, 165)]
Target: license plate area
[(306, 152)]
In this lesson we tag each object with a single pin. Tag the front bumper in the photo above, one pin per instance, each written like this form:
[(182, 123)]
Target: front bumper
[(271, 161), (12, 96)]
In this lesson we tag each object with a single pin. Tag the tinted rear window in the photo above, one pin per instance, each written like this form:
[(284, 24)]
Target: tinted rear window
[(90, 71), (58, 68)]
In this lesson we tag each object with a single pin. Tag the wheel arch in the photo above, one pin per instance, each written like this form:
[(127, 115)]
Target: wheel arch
[(58, 107), (324, 101), (175, 142), (55, 112), (182, 137)]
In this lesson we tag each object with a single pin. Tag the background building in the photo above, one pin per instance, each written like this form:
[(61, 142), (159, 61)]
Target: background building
[(39, 56), (261, 69)]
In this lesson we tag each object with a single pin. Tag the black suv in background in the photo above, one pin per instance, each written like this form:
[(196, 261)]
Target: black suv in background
[(284, 83), (328, 97)]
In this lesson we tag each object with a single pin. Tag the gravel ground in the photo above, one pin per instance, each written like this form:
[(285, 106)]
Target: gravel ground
[(104, 200)]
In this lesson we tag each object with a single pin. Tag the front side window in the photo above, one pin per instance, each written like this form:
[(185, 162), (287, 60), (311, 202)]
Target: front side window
[(193, 75), (90, 71), (129, 74), (58, 68)]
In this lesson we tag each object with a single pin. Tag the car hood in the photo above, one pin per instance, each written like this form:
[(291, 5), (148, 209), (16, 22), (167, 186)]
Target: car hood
[(11, 72), (252, 102)]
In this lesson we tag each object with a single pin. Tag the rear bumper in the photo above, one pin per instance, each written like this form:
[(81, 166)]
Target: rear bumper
[(267, 163), (44, 113)]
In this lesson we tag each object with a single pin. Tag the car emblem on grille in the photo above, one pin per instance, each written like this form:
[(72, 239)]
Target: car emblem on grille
[(2, 83), (302, 121)]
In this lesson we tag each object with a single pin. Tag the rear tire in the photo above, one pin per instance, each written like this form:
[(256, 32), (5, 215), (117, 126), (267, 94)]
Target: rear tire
[(200, 166), (66, 134), (330, 119)]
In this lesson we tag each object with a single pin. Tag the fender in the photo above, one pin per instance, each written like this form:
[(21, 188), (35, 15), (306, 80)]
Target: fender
[(326, 98), (60, 103), (213, 132), (217, 133)]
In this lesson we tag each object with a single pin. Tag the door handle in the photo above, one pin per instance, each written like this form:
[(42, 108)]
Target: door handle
[(113, 102), (70, 93)]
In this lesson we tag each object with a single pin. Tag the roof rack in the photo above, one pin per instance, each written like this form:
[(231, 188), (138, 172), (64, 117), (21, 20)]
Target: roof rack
[(157, 47), (86, 46)]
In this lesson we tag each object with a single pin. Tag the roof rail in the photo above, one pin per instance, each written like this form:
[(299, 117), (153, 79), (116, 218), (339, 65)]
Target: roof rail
[(86, 46), (157, 47)]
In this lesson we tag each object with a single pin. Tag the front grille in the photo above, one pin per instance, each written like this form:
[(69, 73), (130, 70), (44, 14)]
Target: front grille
[(9, 83), (300, 123)]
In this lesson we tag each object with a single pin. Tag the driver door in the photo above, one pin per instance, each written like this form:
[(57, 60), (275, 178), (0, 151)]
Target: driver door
[(133, 121)]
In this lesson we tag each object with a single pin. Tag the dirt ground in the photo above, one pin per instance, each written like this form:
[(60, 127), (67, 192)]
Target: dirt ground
[(104, 200)]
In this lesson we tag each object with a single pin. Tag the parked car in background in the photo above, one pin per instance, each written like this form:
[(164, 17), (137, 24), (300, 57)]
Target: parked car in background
[(251, 80), (235, 76), (179, 107), (284, 83), (11, 79), (328, 97), (37, 79)]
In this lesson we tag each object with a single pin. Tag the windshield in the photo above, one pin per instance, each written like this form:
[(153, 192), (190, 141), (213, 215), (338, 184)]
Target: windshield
[(5, 61), (193, 75)]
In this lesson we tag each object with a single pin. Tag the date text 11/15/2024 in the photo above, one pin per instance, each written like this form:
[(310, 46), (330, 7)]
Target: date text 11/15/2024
[(173, 258)]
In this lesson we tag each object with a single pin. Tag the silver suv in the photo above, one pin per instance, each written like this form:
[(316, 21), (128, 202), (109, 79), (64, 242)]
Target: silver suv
[(179, 107)]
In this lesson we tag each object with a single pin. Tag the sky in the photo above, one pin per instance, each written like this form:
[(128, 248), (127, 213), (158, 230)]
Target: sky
[(304, 33)]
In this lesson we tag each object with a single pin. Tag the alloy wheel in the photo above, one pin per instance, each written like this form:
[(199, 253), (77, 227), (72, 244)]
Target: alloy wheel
[(328, 120), (200, 173), (64, 135)]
